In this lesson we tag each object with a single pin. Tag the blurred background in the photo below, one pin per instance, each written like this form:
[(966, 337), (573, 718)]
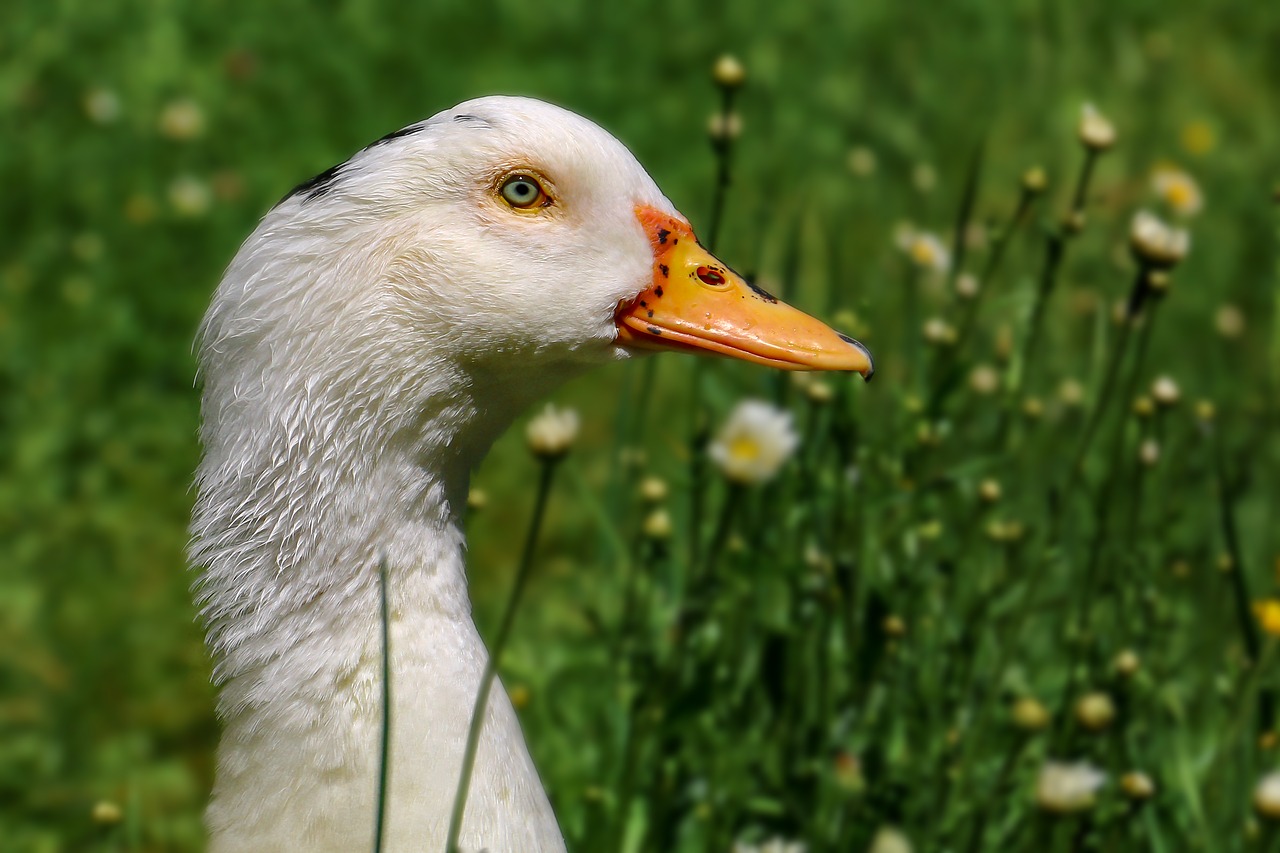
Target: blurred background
[(143, 140)]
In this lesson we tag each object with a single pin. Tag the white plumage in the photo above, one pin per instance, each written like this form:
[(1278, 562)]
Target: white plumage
[(372, 336)]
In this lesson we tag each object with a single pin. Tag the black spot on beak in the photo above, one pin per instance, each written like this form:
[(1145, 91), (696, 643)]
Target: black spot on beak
[(871, 371)]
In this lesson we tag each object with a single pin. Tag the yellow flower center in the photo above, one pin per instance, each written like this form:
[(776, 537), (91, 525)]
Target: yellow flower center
[(922, 253), (1198, 138), (1179, 195), (1268, 613), (744, 449)]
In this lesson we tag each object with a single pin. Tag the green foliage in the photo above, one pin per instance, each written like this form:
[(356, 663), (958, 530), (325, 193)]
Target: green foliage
[(846, 656)]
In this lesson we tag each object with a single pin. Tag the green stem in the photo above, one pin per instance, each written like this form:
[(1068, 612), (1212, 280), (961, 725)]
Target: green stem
[(1239, 579), (384, 747), (495, 655), (1137, 297)]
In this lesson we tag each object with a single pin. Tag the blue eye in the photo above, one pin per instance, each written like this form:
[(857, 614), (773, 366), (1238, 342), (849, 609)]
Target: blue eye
[(523, 192)]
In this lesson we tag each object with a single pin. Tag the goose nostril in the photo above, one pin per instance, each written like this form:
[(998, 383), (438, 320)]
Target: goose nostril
[(712, 277)]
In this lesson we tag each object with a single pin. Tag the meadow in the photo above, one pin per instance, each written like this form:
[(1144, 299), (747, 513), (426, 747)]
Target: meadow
[(1021, 592)]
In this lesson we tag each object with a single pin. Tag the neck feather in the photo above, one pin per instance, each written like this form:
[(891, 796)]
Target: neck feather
[(305, 487)]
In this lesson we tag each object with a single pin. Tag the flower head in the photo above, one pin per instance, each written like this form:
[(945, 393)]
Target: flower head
[(1166, 391), (753, 443), (776, 844), (925, 249), (1229, 321), (1095, 131), (1029, 714), (862, 161), (890, 839), (102, 105), (552, 432), (1178, 190), (984, 380), (190, 196), (1065, 789), (1268, 613), (657, 524), (1095, 711), (182, 120), (724, 127), (1156, 243), (1266, 796), (728, 72), (1137, 785)]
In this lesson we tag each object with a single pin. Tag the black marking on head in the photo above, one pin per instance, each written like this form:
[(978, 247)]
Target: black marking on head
[(657, 291), (644, 304), (675, 241), (666, 270), (396, 134), (663, 234), (650, 314), (315, 187), (654, 330), (323, 183)]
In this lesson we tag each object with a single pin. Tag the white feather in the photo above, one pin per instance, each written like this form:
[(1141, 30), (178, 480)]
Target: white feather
[(363, 350)]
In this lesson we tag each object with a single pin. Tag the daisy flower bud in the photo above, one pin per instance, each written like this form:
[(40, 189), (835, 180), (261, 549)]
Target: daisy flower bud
[(1071, 393), (1165, 391), (890, 839), (1029, 714), (938, 332), (989, 491), (181, 120), (102, 106), (107, 813), (552, 432), (189, 196), (1229, 321), (1095, 711), (1065, 789), (724, 128), (1034, 180), (1127, 663), (819, 392), (1095, 131), (1137, 785), (862, 161), (753, 443), (967, 285), (1266, 796), (657, 525), (728, 72), (477, 499), (1149, 452), (776, 844), (984, 380), (653, 489), (1155, 243)]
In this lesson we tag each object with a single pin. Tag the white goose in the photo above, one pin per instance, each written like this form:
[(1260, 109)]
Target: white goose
[(370, 339)]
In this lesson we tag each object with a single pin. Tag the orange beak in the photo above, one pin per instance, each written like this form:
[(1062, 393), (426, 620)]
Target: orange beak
[(697, 304)]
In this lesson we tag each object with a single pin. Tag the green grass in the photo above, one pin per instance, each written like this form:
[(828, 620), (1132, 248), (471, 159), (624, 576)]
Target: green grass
[(789, 704)]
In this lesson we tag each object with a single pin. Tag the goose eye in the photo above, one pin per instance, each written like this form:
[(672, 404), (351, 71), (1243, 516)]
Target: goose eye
[(523, 192)]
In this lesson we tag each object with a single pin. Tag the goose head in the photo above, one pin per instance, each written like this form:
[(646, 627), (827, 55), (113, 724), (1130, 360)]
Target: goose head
[(506, 242), (380, 326)]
